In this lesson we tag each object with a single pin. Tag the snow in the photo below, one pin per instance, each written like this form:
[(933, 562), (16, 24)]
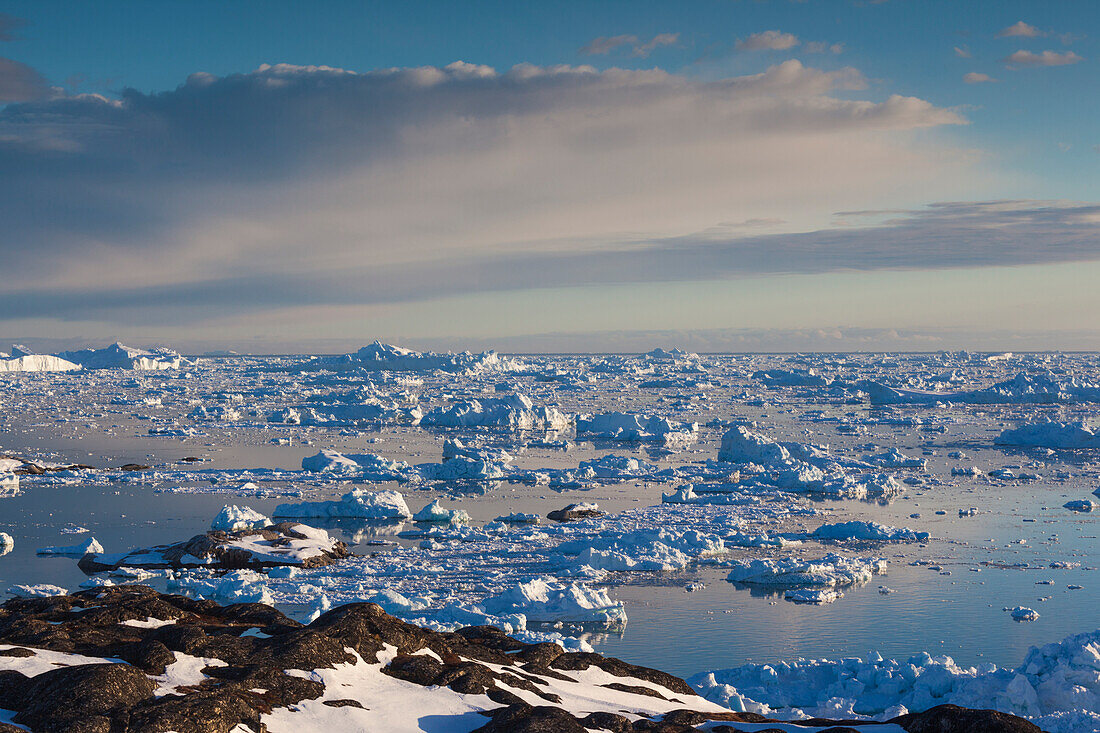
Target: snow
[(357, 503), (233, 518), (1057, 686)]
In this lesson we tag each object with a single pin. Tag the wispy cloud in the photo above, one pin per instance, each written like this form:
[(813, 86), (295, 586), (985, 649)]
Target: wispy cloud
[(962, 52), (607, 44), (977, 77), (9, 24), (768, 41), (1045, 58), (290, 184)]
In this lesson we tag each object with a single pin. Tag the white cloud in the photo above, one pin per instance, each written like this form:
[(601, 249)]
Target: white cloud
[(1020, 29), (768, 41), (1046, 58), (962, 52), (977, 77)]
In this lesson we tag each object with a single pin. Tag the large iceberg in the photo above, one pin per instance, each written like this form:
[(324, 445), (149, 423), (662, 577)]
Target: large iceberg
[(37, 363), (626, 427), (386, 357), (118, 356)]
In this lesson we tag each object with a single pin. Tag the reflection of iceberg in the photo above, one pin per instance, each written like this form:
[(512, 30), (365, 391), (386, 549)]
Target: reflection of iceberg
[(359, 531)]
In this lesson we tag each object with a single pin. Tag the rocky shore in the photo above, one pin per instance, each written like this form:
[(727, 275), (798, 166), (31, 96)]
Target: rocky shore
[(122, 659)]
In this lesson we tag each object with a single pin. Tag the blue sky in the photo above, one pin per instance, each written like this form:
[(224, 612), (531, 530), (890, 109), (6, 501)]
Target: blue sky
[(902, 127)]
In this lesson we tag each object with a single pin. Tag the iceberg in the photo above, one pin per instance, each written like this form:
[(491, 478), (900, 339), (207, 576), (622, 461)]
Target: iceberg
[(357, 503)]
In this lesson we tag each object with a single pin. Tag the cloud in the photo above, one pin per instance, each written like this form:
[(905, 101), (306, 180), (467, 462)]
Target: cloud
[(1046, 58), (822, 47), (639, 48), (292, 185), (1020, 29), (768, 41), (9, 24), (20, 83), (962, 52), (976, 77)]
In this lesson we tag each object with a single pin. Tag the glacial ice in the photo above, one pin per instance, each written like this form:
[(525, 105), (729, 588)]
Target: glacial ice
[(357, 503)]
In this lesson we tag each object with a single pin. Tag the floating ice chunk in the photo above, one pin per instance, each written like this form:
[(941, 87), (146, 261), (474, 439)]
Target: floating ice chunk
[(543, 600), (461, 468), (89, 546), (518, 518), (790, 378), (828, 571), (894, 458), (39, 590), (816, 596), (329, 461), (434, 512), (7, 543), (1057, 685), (857, 530), (514, 411), (233, 518), (9, 484), (627, 427), (741, 445), (1081, 505), (357, 503), (621, 467), (1023, 613), (1051, 435)]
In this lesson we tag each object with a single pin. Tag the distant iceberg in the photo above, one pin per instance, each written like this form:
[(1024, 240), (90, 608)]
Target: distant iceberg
[(119, 356), (378, 357)]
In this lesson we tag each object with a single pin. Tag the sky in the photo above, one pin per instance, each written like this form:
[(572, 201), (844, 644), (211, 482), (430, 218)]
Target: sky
[(726, 175)]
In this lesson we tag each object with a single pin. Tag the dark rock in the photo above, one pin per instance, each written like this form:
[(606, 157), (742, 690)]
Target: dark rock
[(572, 513), (134, 467), (88, 695), (527, 719), (955, 719)]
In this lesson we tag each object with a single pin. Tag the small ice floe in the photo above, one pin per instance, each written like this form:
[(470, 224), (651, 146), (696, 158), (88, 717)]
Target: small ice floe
[(1082, 505), (518, 518), (545, 601), (89, 546), (1023, 613), (885, 591), (816, 596), (40, 590), (9, 484), (234, 518), (857, 530), (968, 512), (435, 512), (357, 503), (7, 543)]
